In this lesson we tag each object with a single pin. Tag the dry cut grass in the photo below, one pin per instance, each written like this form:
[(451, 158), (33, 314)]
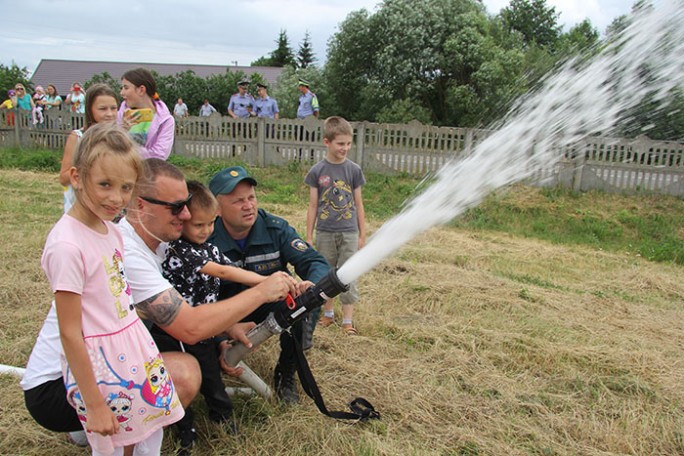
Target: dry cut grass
[(471, 344)]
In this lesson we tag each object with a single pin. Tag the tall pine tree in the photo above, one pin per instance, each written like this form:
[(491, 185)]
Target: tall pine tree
[(281, 56), (305, 55)]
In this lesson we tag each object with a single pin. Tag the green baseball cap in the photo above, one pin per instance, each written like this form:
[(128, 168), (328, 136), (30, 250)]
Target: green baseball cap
[(225, 180)]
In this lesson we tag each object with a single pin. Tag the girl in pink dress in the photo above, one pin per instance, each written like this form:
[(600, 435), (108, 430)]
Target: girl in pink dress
[(114, 375)]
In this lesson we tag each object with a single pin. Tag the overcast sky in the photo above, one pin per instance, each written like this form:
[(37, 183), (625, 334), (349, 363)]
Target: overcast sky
[(201, 31)]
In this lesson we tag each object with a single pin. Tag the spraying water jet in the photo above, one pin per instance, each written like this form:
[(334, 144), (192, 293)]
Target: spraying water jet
[(582, 98)]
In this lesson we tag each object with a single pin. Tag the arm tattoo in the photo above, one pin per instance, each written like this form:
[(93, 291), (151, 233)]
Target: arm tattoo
[(161, 308)]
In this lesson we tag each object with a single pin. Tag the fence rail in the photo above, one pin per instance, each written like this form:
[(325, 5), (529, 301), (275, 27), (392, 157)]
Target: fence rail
[(609, 164)]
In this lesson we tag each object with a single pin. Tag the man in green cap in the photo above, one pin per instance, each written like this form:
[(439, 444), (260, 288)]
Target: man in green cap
[(308, 102), (261, 242), (308, 106)]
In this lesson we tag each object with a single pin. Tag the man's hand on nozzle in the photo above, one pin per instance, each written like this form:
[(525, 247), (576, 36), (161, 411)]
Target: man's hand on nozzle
[(303, 286), (277, 286), (239, 332)]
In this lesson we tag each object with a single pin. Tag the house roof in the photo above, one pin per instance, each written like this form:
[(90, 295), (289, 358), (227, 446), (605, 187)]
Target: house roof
[(63, 73)]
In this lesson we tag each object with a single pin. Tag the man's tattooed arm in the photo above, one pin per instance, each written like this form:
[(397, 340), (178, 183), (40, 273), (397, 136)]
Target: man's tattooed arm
[(161, 308)]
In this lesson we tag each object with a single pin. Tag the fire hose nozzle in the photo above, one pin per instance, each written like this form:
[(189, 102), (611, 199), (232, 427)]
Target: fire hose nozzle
[(256, 336), (287, 314)]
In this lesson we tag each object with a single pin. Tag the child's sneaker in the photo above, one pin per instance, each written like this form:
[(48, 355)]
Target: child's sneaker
[(326, 321), (78, 438)]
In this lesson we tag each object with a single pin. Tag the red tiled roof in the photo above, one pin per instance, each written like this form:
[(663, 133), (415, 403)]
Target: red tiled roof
[(63, 73)]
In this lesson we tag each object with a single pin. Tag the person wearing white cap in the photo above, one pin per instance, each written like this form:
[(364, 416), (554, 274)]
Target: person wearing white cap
[(241, 103)]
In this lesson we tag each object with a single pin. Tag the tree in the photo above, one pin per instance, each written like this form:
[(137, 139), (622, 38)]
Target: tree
[(415, 57), (404, 111), (281, 56), (537, 22), (657, 119), (103, 78), (262, 61), (305, 55), (349, 66), (616, 26), (186, 85), (191, 88), (579, 38), (11, 75), (620, 23)]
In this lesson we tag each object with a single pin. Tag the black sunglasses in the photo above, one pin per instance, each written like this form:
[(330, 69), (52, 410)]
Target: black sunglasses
[(176, 208)]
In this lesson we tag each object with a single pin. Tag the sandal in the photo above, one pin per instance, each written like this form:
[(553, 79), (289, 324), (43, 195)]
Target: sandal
[(324, 322), (350, 330)]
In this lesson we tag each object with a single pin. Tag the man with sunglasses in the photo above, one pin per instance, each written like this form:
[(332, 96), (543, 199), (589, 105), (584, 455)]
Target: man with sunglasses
[(155, 217)]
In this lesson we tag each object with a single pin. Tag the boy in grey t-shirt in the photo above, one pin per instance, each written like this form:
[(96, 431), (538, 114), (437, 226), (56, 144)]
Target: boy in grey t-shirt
[(336, 212)]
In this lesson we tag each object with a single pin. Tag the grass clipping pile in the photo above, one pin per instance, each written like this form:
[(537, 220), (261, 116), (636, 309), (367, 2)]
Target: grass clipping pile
[(471, 344)]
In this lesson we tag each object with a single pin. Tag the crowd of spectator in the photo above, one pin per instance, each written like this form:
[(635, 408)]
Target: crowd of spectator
[(242, 104)]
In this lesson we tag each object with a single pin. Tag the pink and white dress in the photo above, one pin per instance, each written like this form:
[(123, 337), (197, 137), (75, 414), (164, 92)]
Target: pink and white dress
[(128, 367)]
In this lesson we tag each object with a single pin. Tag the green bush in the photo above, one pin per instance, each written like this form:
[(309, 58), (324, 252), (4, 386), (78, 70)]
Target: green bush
[(41, 160)]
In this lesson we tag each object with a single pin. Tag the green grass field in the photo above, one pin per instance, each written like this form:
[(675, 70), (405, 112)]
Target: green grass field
[(540, 323)]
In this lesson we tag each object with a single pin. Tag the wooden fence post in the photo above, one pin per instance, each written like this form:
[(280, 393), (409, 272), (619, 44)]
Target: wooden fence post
[(261, 141), (579, 161), (17, 130), (468, 142), (360, 142)]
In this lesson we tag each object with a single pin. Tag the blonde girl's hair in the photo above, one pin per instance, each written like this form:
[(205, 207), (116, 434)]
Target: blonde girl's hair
[(103, 139), (335, 126), (94, 91)]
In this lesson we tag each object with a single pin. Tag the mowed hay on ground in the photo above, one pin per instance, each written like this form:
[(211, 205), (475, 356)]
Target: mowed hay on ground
[(470, 344)]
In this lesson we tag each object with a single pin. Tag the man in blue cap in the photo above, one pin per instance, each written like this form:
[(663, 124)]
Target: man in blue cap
[(241, 103), (265, 106), (240, 106), (261, 242)]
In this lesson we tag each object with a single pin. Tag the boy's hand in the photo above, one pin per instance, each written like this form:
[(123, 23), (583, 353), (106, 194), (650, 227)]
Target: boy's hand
[(277, 286), (232, 371)]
